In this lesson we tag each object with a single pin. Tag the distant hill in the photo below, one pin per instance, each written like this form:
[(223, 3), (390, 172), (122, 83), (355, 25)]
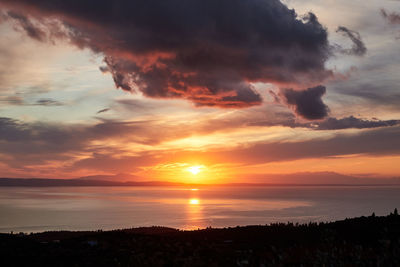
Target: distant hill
[(321, 178), (121, 177), (39, 182), (306, 178)]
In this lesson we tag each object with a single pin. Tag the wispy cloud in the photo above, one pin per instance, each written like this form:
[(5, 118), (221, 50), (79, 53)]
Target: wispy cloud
[(102, 110), (48, 102), (358, 48), (391, 17), (18, 100)]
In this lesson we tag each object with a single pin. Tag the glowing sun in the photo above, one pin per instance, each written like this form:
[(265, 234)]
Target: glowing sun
[(195, 169), (194, 201)]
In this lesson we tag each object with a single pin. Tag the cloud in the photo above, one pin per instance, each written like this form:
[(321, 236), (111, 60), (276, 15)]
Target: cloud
[(12, 100), (48, 102), (16, 100), (72, 147), (209, 52), (31, 30), (112, 164), (307, 103), (330, 123), (353, 122), (102, 110), (41, 135), (25, 145), (104, 69), (358, 48), (19, 138), (392, 18), (373, 88), (376, 142)]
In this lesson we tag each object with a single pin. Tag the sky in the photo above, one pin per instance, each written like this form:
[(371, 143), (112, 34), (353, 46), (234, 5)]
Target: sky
[(199, 91)]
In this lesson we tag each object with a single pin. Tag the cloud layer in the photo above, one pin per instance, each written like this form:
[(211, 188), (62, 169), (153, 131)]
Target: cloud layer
[(206, 51), (108, 145)]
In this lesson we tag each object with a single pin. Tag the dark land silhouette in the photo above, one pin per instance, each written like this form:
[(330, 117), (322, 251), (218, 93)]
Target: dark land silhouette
[(363, 241), (304, 178)]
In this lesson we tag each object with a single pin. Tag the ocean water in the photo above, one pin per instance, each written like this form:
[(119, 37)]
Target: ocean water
[(34, 209)]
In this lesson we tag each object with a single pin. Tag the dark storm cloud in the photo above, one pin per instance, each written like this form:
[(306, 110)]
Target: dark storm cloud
[(392, 18), (358, 48), (205, 51), (307, 103)]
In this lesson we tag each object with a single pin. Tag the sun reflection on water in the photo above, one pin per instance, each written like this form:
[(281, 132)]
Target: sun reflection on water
[(194, 212)]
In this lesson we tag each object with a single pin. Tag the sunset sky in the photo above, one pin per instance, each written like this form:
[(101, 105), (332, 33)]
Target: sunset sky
[(205, 91)]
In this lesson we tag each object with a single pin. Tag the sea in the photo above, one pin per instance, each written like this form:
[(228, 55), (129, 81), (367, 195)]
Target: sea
[(38, 209)]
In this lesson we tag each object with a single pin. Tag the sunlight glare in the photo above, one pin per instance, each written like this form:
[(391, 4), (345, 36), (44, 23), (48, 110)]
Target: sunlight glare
[(194, 201), (195, 169)]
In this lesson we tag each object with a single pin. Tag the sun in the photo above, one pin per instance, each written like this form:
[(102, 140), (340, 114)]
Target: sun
[(195, 169), (194, 201)]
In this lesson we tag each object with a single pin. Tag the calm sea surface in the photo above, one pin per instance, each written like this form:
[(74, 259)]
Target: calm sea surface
[(29, 209)]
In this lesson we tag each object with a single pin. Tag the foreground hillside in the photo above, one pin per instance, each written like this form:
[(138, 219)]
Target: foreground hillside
[(364, 241)]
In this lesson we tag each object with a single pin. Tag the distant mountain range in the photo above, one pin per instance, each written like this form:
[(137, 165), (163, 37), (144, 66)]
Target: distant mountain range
[(306, 178), (120, 177), (322, 178), (40, 182)]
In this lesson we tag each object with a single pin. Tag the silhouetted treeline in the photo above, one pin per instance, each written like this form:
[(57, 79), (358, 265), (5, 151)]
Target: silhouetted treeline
[(364, 241)]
